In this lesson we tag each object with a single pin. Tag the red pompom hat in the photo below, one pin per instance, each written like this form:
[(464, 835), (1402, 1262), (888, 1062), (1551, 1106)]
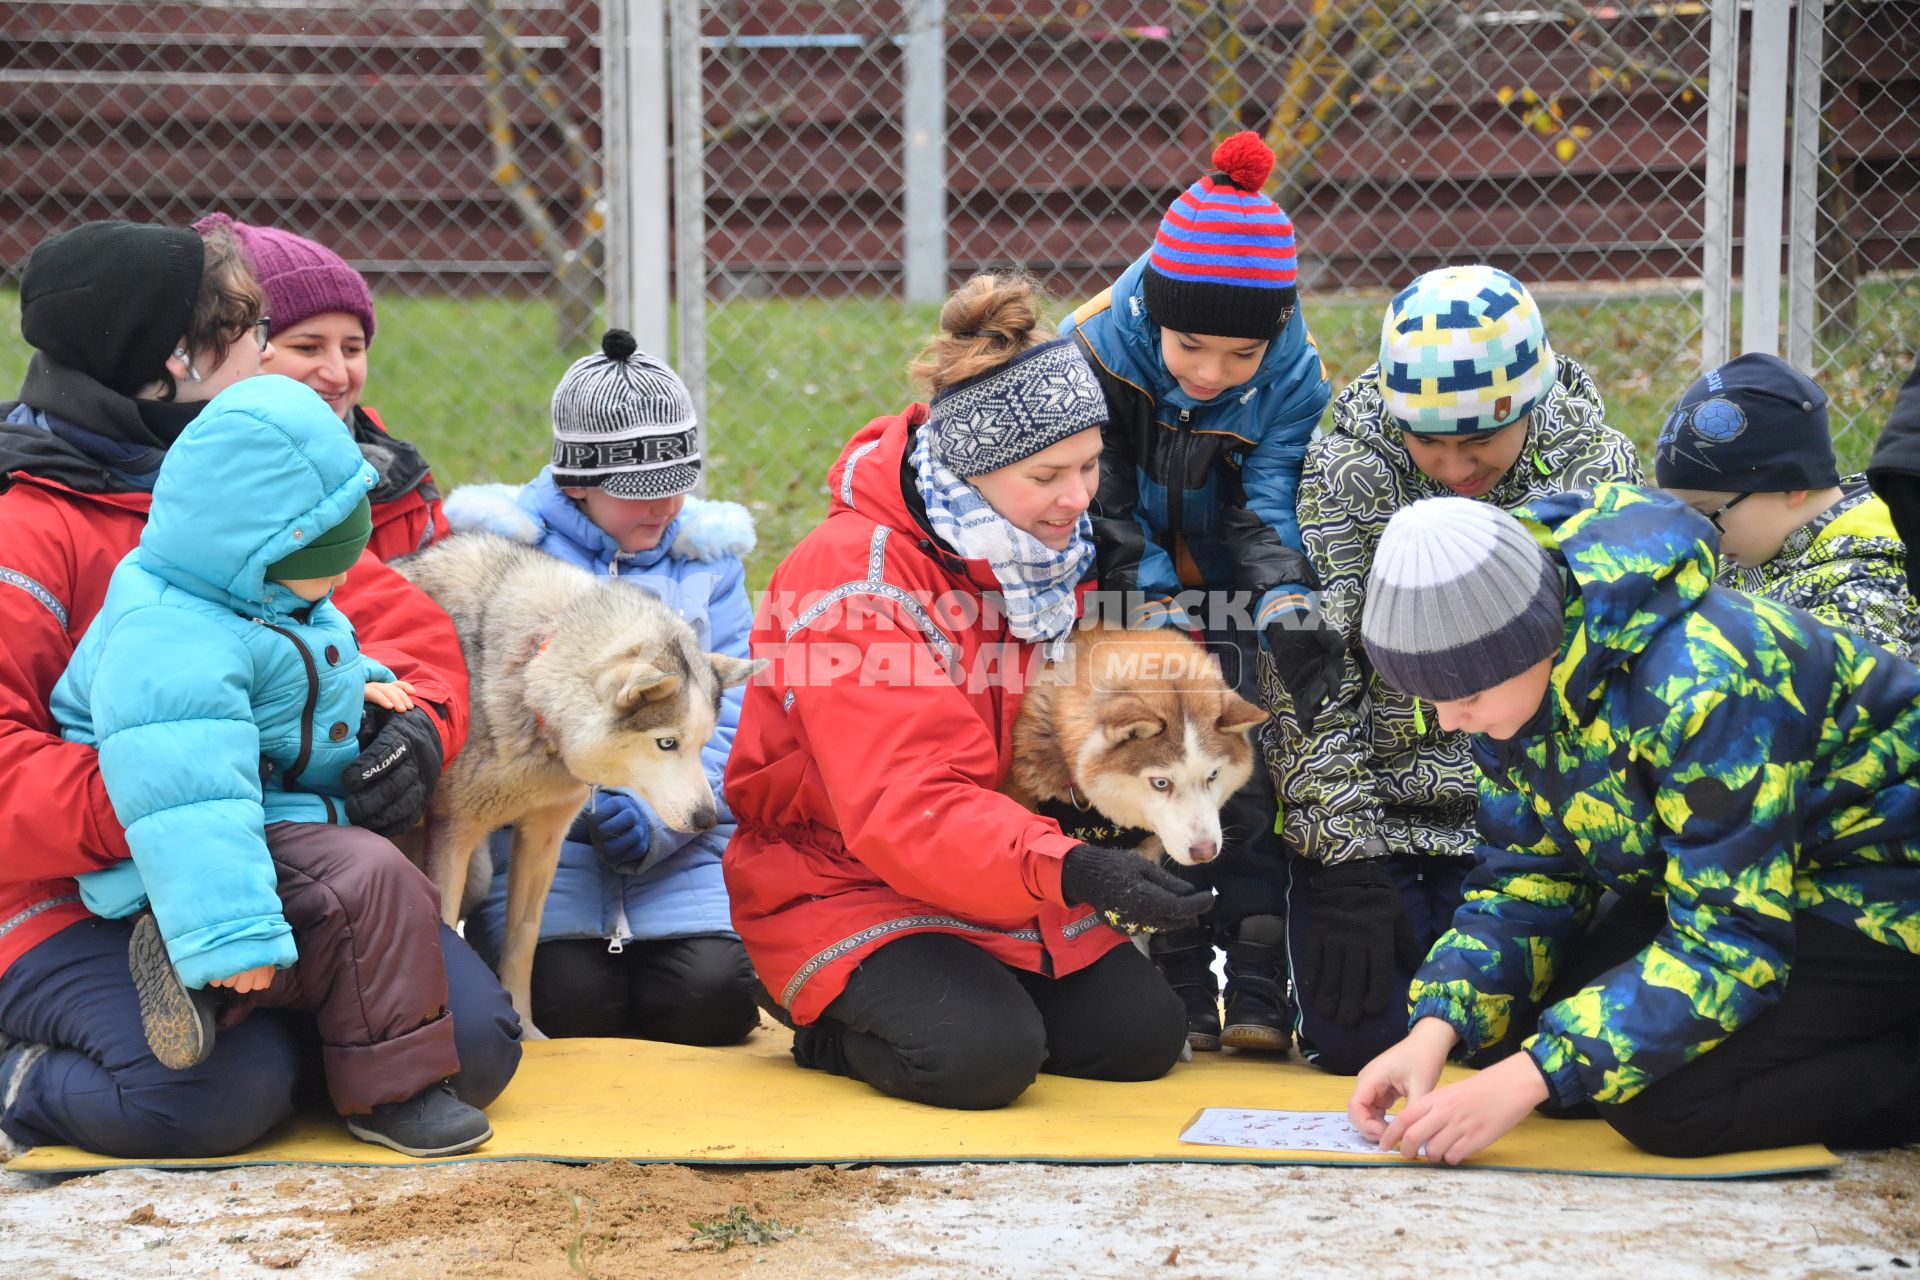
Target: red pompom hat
[(1222, 263)]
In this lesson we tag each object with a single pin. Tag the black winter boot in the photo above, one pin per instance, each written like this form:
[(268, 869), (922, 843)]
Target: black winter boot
[(1259, 1016), (1185, 957), (433, 1122)]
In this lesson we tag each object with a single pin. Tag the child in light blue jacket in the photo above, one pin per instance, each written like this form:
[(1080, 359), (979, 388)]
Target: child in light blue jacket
[(224, 693), (637, 938)]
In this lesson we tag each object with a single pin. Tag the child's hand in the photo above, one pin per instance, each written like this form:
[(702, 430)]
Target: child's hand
[(1408, 1070), (394, 697), (1461, 1120), (250, 980)]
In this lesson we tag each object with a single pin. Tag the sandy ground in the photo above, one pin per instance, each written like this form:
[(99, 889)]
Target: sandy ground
[(1174, 1221)]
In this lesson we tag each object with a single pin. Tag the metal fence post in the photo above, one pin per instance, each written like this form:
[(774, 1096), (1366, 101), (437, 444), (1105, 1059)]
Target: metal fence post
[(1803, 222), (689, 204), (924, 167), (1716, 232), (1766, 173), (633, 34)]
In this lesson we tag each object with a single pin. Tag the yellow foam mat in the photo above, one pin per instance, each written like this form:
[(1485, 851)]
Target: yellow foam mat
[(586, 1100)]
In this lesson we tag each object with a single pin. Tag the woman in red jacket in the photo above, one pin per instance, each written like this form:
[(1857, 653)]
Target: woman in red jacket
[(322, 313), (925, 933), (133, 328)]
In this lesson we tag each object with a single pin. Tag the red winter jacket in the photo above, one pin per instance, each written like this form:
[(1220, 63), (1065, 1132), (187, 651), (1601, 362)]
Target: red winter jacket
[(863, 776), (58, 548), (406, 501)]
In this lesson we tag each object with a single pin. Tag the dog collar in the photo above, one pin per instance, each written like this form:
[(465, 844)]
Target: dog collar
[(1087, 825)]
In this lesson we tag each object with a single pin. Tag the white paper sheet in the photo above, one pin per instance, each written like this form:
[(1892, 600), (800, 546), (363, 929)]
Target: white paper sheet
[(1278, 1131)]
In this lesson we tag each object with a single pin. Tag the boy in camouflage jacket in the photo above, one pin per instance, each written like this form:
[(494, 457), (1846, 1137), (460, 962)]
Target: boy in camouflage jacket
[(1377, 804), (1748, 447), (1742, 775)]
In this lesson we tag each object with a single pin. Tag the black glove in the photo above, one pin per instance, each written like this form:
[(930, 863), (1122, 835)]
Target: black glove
[(1362, 950), (1129, 892), (1309, 655), (390, 782)]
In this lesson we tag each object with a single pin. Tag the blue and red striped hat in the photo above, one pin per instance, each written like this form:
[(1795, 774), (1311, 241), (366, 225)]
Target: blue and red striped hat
[(1222, 263)]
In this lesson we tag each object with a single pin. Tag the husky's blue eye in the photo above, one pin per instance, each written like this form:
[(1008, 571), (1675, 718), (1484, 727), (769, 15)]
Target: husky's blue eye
[(1161, 784), (667, 744)]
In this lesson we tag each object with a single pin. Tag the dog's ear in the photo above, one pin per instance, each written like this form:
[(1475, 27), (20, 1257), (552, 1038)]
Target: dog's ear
[(628, 684), (1125, 722), (732, 671), (1237, 715)]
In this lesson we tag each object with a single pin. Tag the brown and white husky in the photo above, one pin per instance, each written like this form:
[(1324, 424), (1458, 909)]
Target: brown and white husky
[(1138, 728)]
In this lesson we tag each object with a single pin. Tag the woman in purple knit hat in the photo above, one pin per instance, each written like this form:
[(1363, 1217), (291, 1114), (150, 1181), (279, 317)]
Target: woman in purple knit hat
[(322, 313)]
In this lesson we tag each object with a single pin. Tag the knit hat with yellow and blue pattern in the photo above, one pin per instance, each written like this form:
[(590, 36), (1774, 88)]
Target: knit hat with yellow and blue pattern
[(1463, 350)]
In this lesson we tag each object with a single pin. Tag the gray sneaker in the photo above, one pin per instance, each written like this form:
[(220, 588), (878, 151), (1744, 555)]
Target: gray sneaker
[(432, 1122), (178, 1020)]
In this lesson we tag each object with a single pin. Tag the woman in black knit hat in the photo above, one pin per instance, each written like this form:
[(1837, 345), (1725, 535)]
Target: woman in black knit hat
[(134, 327)]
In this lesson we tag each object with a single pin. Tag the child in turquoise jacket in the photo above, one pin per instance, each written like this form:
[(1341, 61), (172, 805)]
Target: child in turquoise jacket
[(224, 693)]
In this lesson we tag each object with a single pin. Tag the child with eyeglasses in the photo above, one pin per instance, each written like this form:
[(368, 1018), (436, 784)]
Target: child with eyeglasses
[(1748, 447)]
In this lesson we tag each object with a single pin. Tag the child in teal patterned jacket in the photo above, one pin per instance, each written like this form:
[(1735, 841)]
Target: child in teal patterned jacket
[(1742, 776)]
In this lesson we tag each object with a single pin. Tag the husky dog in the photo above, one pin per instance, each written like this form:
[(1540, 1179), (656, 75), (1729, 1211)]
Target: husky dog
[(1139, 727), (576, 681)]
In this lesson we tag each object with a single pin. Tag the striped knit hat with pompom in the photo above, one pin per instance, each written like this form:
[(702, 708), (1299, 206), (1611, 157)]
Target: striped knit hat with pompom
[(623, 422), (1222, 264)]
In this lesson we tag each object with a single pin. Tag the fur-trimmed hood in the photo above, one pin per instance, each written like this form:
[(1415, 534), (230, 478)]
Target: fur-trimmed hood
[(537, 512)]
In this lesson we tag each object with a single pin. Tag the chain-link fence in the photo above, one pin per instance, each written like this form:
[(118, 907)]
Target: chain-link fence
[(1856, 217), (1563, 145), (447, 148), (856, 156)]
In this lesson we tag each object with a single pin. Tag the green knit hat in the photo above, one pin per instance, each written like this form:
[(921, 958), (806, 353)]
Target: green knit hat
[(334, 551)]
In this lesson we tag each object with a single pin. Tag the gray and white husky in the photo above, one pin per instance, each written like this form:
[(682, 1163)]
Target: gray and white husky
[(575, 681)]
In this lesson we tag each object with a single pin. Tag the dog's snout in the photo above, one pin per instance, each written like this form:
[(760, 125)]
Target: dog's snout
[(1203, 851), (703, 818)]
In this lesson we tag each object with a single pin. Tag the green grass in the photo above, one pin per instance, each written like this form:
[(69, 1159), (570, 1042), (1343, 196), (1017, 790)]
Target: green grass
[(739, 1227), (789, 381)]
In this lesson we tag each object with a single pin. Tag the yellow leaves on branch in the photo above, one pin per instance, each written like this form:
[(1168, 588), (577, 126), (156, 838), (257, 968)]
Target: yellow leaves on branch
[(1544, 116)]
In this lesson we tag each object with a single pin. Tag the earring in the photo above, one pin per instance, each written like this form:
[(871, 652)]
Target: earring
[(180, 354)]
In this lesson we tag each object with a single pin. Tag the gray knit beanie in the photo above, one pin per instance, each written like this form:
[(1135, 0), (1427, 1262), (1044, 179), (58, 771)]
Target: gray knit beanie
[(1013, 411), (623, 421), (1460, 599)]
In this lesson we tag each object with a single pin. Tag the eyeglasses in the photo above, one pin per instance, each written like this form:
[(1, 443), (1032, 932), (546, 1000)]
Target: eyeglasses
[(1713, 517), (258, 328)]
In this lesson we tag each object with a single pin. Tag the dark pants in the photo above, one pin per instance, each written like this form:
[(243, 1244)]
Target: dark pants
[(934, 1019), (1430, 890), (1836, 1060), (100, 1088), (366, 925), (696, 990)]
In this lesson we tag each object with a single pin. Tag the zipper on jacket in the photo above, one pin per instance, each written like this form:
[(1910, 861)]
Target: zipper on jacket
[(621, 930), (288, 778), (1419, 718), (1177, 481)]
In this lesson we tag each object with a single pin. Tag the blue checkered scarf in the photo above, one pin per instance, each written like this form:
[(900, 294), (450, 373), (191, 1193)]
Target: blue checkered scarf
[(1036, 581)]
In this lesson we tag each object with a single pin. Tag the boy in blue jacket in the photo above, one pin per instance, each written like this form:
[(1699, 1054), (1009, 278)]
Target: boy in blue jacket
[(637, 938), (224, 694), (1213, 388)]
